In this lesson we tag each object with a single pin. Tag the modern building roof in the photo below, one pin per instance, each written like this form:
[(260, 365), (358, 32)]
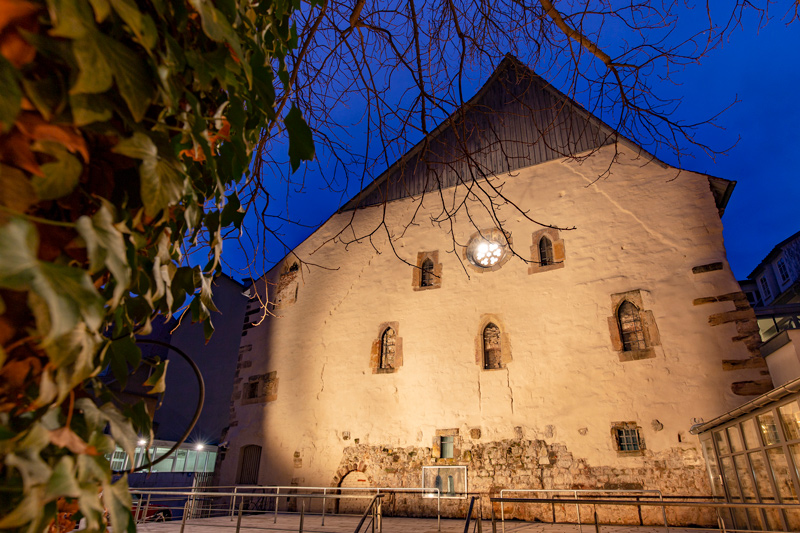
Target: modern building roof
[(772, 255)]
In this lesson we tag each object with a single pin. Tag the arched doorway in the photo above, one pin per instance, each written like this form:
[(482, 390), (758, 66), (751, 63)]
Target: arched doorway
[(353, 479)]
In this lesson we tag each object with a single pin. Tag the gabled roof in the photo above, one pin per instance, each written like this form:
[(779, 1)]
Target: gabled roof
[(516, 120), (772, 255)]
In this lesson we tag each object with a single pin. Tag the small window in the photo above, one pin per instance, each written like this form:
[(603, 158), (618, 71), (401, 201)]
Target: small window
[(545, 252), (388, 349), (446, 443), (251, 390), (627, 438), (492, 347), (427, 276), (765, 289), (294, 267), (782, 270), (630, 327), (249, 463)]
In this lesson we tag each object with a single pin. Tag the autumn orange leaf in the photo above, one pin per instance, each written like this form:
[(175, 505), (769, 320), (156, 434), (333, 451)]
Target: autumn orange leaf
[(36, 128), (15, 150), (15, 9), (13, 46), (66, 438)]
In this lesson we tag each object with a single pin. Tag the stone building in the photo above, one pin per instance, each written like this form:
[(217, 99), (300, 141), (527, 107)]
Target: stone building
[(488, 351)]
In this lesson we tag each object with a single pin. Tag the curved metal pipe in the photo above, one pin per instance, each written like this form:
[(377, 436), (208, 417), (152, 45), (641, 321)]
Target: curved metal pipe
[(202, 389)]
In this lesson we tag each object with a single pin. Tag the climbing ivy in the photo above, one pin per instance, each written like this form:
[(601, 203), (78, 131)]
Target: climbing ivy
[(127, 129)]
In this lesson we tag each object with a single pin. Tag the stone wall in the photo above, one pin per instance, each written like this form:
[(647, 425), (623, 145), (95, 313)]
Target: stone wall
[(534, 464)]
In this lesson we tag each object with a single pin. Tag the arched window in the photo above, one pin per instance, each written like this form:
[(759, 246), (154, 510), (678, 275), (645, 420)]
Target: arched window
[(545, 252), (630, 327), (491, 347), (249, 465), (426, 279), (388, 342), (294, 267)]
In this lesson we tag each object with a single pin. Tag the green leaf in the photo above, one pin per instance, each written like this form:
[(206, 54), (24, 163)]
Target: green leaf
[(10, 96), (215, 25), (121, 429), (117, 500), (101, 9), (124, 352), (45, 93), (140, 23), (301, 143), (61, 176), (162, 179), (29, 509), (132, 76), (62, 482), (71, 18), (69, 292), (16, 191), (89, 108), (106, 248), (157, 380), (95, 74)]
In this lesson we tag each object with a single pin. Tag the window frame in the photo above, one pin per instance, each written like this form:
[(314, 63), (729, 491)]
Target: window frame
[(546, 254), (638, 328), (623, 430)]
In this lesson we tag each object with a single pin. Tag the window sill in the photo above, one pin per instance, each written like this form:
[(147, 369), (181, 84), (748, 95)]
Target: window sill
[(636, 355)]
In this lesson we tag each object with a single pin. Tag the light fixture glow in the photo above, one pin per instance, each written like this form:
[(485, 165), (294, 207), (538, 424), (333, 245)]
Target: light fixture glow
[(142, 442), (199, 446)]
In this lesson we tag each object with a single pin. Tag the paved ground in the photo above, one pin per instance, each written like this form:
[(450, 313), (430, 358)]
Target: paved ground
[(347, 524)]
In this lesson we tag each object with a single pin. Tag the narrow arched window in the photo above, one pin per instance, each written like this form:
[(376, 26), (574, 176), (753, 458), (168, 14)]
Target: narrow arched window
[(545, 252), (491, 347), (249, 463), (388, 342), (630, 327), (426, 279)]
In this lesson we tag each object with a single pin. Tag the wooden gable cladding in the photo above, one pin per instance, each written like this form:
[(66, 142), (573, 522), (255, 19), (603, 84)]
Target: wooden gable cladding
[(516, 120)]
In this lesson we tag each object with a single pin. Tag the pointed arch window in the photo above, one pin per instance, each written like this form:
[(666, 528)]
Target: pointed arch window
[(388, 345), (546, 256), (427, 277), (249, 465), (630, 327), (492, 347)]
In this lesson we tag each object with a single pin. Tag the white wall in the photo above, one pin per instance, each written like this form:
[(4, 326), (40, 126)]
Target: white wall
[(642, 227)]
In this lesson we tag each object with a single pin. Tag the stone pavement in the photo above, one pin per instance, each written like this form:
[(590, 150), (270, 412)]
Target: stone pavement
[(347, 524)]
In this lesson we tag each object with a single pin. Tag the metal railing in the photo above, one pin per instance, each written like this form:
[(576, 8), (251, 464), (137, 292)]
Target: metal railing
[(479, 520), (373, 511), (576, 493), (656, 503), (328, 492)]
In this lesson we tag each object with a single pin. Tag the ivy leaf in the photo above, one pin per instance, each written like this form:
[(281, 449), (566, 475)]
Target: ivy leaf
[(162, 180), (121, 428), (133, 79), (28, 509), (123, 352), (140, 24), (301, 144), (106, 248), (117, 500), (62, 482), (10, 96), (216, 26), (94, 71), (158, 378), (87, 109), (71, 18), (69, 292), (61, 176), (101, 9), (16, 191)]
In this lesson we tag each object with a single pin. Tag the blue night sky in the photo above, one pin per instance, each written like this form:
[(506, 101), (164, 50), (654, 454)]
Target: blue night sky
[(756, 66)]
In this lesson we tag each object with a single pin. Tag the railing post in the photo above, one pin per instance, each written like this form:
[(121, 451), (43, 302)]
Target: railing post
[(302, 515), (239, 519), (502, 513), (185, 512), (596, 521), (277, 496), (439, 510), (324, 493), (494, 521), (578, 507), (233, 501), (639, 508), (146, 506)]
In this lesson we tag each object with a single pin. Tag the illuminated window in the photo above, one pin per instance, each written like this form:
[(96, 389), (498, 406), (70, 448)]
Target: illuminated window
[(446, 443), (492, 347), (630, 327), (388, 342), (487, 250), (545, 252)]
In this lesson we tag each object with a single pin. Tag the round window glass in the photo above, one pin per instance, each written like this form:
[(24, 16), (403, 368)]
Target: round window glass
[(486, 251)]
